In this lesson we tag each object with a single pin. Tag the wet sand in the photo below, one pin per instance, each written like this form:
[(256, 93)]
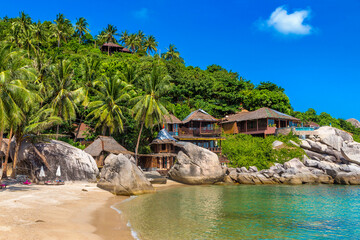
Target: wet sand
[(111, 225)]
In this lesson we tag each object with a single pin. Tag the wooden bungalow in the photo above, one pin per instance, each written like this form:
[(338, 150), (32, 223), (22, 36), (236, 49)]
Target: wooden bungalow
[(263, 121), (163, 153), (172, 124), (110, 48), (202, 129), (81, 132), (102, 147)]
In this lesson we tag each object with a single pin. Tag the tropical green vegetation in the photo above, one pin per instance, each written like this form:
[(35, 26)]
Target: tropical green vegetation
[(53, 74), (246, 150)]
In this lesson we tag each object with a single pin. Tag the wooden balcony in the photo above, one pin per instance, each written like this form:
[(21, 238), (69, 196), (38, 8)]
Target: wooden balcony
[(267, 131), (184, 131), (215, 149)]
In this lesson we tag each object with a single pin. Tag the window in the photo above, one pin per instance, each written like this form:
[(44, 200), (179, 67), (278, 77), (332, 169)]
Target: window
[(163, 146), (271, 122)]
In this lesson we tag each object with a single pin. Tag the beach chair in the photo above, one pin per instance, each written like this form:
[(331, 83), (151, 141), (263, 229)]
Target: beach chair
[(2, 185)]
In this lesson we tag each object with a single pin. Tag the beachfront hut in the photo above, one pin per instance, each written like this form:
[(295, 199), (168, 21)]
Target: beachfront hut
[(163, 153), (102, 147), (263, 121), (110, 48), (172, 124)]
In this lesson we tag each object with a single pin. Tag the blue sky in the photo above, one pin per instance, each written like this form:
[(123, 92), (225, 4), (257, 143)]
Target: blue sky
[(310, 48)]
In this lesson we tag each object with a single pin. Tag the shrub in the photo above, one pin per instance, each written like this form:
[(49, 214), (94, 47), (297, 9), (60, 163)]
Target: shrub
[(245, 150)]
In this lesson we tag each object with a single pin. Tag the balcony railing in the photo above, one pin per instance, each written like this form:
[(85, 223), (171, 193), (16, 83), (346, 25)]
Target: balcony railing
[(215, 149), (198, 131)]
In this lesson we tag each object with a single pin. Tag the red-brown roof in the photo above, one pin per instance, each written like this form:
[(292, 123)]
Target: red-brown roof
[(258, 114), (112, 45), (83, 130), (172, 119), (199, 115), (125, 50)]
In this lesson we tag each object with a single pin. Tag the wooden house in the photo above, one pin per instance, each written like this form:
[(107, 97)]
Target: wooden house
[(163, 153), (172, 124), (263, 121), (102, 147), (201, 129), (110, 48)]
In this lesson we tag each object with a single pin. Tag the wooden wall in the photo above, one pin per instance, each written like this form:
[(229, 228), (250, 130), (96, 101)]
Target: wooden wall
[(230, 128)]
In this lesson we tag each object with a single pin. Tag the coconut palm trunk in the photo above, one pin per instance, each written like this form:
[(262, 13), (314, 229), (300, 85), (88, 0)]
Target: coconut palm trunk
[(78, 130), (7, 155), (137, 144), (17, 148)]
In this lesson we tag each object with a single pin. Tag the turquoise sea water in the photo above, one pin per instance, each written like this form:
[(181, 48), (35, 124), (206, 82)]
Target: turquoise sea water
[(247, 212)]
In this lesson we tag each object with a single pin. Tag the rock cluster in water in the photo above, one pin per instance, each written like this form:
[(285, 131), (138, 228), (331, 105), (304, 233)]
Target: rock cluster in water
[(332, 157)]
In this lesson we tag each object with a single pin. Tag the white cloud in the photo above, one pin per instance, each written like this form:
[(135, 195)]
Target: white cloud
[(141, 13), (292, 23)]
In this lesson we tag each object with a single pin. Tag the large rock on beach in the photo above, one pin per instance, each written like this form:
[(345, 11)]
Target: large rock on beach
[(75, 164), (351, 152), (122, 177), (333, 137), (196, 165), (346, 178)]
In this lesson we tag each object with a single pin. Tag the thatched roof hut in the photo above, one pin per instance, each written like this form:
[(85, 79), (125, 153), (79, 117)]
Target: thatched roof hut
[(105, 144), (258, 114), (199, 115)]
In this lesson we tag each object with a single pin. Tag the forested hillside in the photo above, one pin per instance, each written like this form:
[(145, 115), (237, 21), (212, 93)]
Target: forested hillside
[(53, 74)]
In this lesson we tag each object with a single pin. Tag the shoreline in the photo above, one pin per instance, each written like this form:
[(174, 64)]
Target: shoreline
[(110, 223)]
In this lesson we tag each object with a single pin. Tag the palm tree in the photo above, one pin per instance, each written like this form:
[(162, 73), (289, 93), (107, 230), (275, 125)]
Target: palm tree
[(14, 34), (39, 32), (63, 98), (112, 98), (34, 122), (14, 94), (171, 53), (27, 41), (81, 27), (61, 29), (150, 44), (150, 107), (90, 72), (109, 33), (130, 74), (24, 21), (124, 36), (132, 42)]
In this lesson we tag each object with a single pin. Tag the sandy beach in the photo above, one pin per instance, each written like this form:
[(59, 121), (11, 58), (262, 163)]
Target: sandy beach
[(57, 212), (71, 211)]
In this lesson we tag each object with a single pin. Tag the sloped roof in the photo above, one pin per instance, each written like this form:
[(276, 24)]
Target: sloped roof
[(199, 115), (172, 119), (106, 144), (83, 129), (112, 45), (163, 137), (258, 114)]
